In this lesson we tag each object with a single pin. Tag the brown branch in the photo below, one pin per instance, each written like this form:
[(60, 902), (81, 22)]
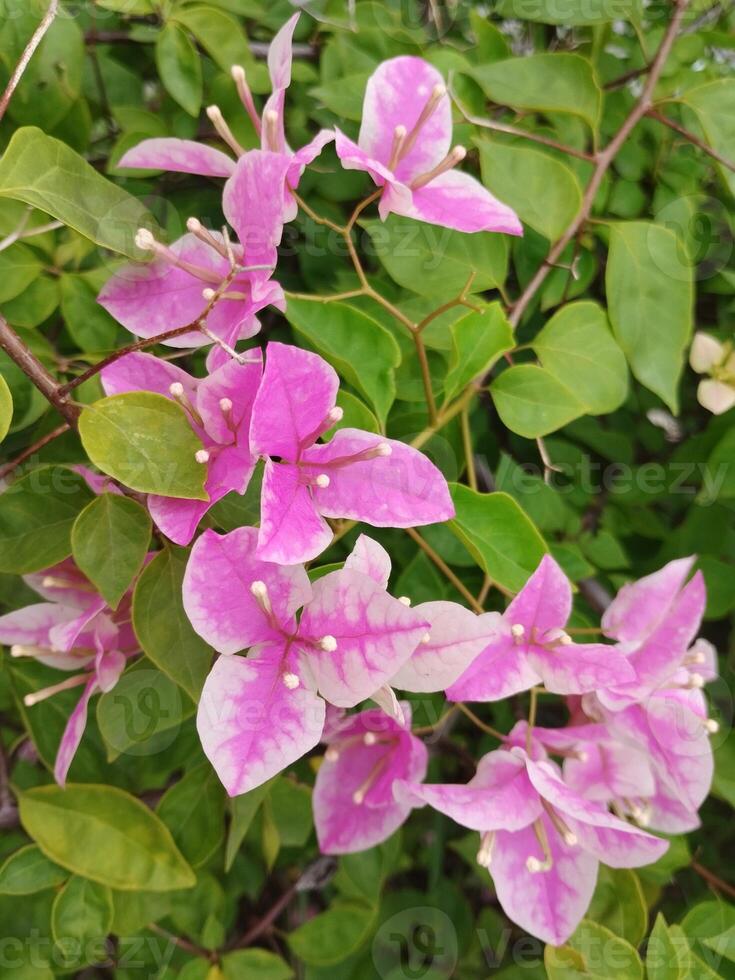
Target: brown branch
[(32, 450), (35, 40), (445, 569), (660, 117), (603, 161), (628, 76), (713, 880), (30, 365)]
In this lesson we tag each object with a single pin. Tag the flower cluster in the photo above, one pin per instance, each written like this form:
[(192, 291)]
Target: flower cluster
[(549, 803)]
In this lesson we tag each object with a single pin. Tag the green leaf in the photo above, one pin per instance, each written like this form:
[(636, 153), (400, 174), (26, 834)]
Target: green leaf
[(532, 402), (194, 811), (6, 408), (162, 626), (109, 542), (619, 905), (143, 714), (577, 347), (180, 67), (435, 261), (90, 325), (46, 173), (243, 810), (255, 964), (544, 192), (661, 955), (713, 105), (649, 291), (723, 785), (713, 925), (495, 530), (82, 912), (19, 267), (290, 808), (720, 471), (478, 340), (356, 415), (28, 870), (145, 441), (220, 35), (571, 12), (359, 347), (692, 966), (36, 517), (330, 937), (106, 835), (557, 82), (593, 951)]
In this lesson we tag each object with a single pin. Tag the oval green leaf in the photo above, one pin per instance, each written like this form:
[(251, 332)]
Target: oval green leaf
[(106, 835), (145, 441), (28, 871), (532, 402)]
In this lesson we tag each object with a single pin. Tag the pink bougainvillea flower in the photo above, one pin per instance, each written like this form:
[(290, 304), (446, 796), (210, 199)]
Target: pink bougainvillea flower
[(531, 647), (219, 409), (541, 840), (190, 157), (404, 144), (354, 805), (74, 630), (455, 636), (202, 276), (357, 475), (656, 620), (260, 713)]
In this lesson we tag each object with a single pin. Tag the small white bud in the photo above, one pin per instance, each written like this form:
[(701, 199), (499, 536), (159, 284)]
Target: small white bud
[(208, 294), (225, 405), (335, 415), (358, 797), (569, 838), (565, 640), (328, 644), (238, 73), (291, 681), (439, 91), (458, 154), (332, 754), (426, 638), (370, 738), (400, 132), (404, 600), (710, 724), (322, 481), (201, 456), (696, 680), (193, 225), (17, 650), (517, 630), (383, 449), (176, 389), (533, 864)]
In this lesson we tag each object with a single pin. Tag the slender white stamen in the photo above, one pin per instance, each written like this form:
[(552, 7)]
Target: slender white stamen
[(176, 389), (569, 838), (291, 681), (565, 640), (426, 638), (404, 600), (710, 724), (209, 294), (177, 392), (30, 699), (246, 96), (332, 754), (260, 593), (218, 121), (19, 650), (580, 756), (370, 738), (437, 94), (322, 481), (485, 854), (201, 456), (383, 449), (399, 138), (225, 405), (335, 415), (695, 681), (197, 229), (695, 658), (270, 122), (358, 796), (145, 241), (450, 161), (327, 643), (517, 630)]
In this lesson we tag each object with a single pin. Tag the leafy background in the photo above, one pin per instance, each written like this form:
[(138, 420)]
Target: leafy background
[(142, 868)]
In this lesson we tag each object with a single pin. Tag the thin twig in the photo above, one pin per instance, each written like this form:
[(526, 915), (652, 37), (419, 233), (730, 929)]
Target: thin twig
[(469, 454), (533, 704), (478, 721), (500, 127), (603, 161), (688, 135), (30, 365), (444, 569), (712, 879), (8, 468), (25, 58)]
